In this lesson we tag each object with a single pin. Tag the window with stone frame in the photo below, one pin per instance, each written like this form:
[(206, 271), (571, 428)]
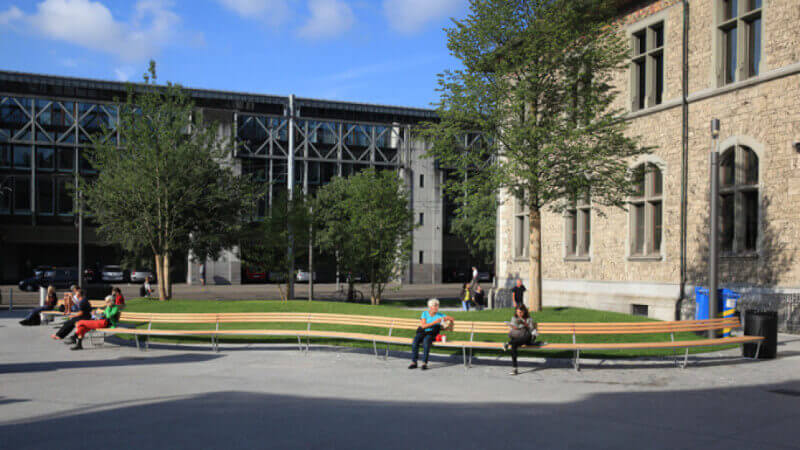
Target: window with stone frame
[(646, 207), (521, 229), (578, 227), (647, 66), (738, 46), (739, 201)]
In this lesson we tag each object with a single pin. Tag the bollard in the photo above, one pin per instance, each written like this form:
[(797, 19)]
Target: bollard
[(10, 299)]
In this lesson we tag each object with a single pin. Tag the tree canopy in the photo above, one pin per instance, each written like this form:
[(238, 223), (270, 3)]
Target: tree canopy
[(537, 84), (167, 185)]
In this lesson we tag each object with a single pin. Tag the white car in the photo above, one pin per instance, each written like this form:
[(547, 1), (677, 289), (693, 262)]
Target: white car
[(112, 273), (138, 276), (303, 276)]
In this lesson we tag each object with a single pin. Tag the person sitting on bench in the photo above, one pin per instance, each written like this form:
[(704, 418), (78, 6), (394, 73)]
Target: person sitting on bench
[(523, 332), (84, 313), (110, 316), (119, 300), (429, 326), (50, 301), (70, 300)]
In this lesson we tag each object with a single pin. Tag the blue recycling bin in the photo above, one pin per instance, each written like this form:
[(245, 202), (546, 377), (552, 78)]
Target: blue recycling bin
[(726, 306)]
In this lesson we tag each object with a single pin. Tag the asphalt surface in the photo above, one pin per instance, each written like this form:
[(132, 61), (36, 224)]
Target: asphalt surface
[(274, 396)]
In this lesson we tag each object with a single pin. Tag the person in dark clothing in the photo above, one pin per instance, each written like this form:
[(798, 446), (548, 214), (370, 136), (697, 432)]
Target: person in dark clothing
[(522, 332), (518, 293), (479, 297), (50, 302), (84, 313)]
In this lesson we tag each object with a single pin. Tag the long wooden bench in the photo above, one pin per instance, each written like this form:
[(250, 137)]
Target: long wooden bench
[(49, 315), (216, 320)]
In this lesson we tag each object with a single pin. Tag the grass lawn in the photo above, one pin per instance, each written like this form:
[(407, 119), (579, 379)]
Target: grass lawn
[(398, 310)]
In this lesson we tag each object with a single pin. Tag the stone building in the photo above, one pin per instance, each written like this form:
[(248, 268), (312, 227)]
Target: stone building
[(691, 61)]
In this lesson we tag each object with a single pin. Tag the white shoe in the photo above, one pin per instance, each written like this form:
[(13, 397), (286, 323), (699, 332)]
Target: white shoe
[(514, 372)]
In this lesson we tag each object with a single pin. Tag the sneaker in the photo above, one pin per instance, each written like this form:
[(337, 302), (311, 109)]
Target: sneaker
[(412, 366), (424, 367), (77, 346), (70, 340), (514, 371)]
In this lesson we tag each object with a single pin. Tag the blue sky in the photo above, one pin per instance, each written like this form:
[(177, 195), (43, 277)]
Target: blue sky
[(374, 51)]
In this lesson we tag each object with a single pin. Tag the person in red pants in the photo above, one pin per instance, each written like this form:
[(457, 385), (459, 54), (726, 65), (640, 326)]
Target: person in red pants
[(109, 317)]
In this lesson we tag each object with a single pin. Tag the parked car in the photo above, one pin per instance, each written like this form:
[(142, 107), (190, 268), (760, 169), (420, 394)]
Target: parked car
[(484, 276), (61, 278), (277, 277), (138, 275), (113, 274), (39, 271), (253, 275), (303, 276)]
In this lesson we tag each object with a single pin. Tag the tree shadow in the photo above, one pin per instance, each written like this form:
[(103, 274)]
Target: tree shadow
[(622, 418), (745, 273)]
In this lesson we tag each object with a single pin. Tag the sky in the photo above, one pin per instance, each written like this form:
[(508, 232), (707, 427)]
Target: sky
[(373, 51)]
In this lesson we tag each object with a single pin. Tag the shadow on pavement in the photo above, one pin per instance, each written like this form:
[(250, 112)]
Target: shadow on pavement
[(726, 418), (46, 366)]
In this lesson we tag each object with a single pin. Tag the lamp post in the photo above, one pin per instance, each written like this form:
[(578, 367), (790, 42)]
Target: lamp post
[(713, 234)]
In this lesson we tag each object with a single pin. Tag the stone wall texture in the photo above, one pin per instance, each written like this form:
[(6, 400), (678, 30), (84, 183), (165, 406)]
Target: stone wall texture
[(761, 112)]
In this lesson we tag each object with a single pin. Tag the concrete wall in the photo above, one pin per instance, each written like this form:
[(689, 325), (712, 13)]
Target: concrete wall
[(428, 201)]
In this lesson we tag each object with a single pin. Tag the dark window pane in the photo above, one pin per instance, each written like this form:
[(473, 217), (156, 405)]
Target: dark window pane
[(729, 39), (84, 162), (572, 233), (658, 34), (64, 196), (22, 157), (639, 181), (46, 158), (754, 43), (639, 229), (66, 159), (750, 205), (44, 191), (726, 209), (658, 62), (22, 195), (587, 230), (656, 180), (730, 9), (421, 180), (749, 166), (753, 4), (639, 42), (422, 218), (642, 82), (5, 154), (726, 168), (657, 228), (420, 256), (5, 196)]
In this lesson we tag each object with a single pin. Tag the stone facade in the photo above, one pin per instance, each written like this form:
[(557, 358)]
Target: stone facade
[(760, 112)]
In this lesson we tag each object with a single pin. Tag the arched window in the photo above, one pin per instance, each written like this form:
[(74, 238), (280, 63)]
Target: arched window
[(738, 196), (646, 212)]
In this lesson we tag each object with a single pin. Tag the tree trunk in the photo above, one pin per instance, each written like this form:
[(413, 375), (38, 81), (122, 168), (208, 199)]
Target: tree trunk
[(162, 293), (167, 277), (535, 297)]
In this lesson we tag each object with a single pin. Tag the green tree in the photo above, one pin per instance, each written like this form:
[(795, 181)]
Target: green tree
[(475, 213), (267, 242), (537, 83), (167, 186), (366, 221)]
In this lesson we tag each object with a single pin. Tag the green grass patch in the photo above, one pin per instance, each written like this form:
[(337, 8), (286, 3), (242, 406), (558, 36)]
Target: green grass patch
[(498, 315)]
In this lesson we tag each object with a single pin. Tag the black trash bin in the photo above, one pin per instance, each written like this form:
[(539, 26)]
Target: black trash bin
[(761, 323)]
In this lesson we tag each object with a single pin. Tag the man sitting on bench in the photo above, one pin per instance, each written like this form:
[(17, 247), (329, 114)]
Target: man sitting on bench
[(84, 313)]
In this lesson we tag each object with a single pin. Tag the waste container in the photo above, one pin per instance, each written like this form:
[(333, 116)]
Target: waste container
[(701, 300), (761, 323)]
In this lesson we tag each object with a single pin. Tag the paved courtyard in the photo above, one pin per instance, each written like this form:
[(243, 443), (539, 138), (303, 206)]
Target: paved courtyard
[(273, 396)]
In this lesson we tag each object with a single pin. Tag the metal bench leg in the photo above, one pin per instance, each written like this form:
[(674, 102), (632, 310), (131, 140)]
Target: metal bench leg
[(147, 343), (577, 362), (464, 356), (136, 339), (685, 358), (299, 344), (375, 347), (470, 357), (758, 349), (386, 355)]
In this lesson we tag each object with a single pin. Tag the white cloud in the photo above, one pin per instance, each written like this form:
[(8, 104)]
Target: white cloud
[(91, 25), (329, 18), (408, 16), (274, 12), (122, 74), (13, 13)]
